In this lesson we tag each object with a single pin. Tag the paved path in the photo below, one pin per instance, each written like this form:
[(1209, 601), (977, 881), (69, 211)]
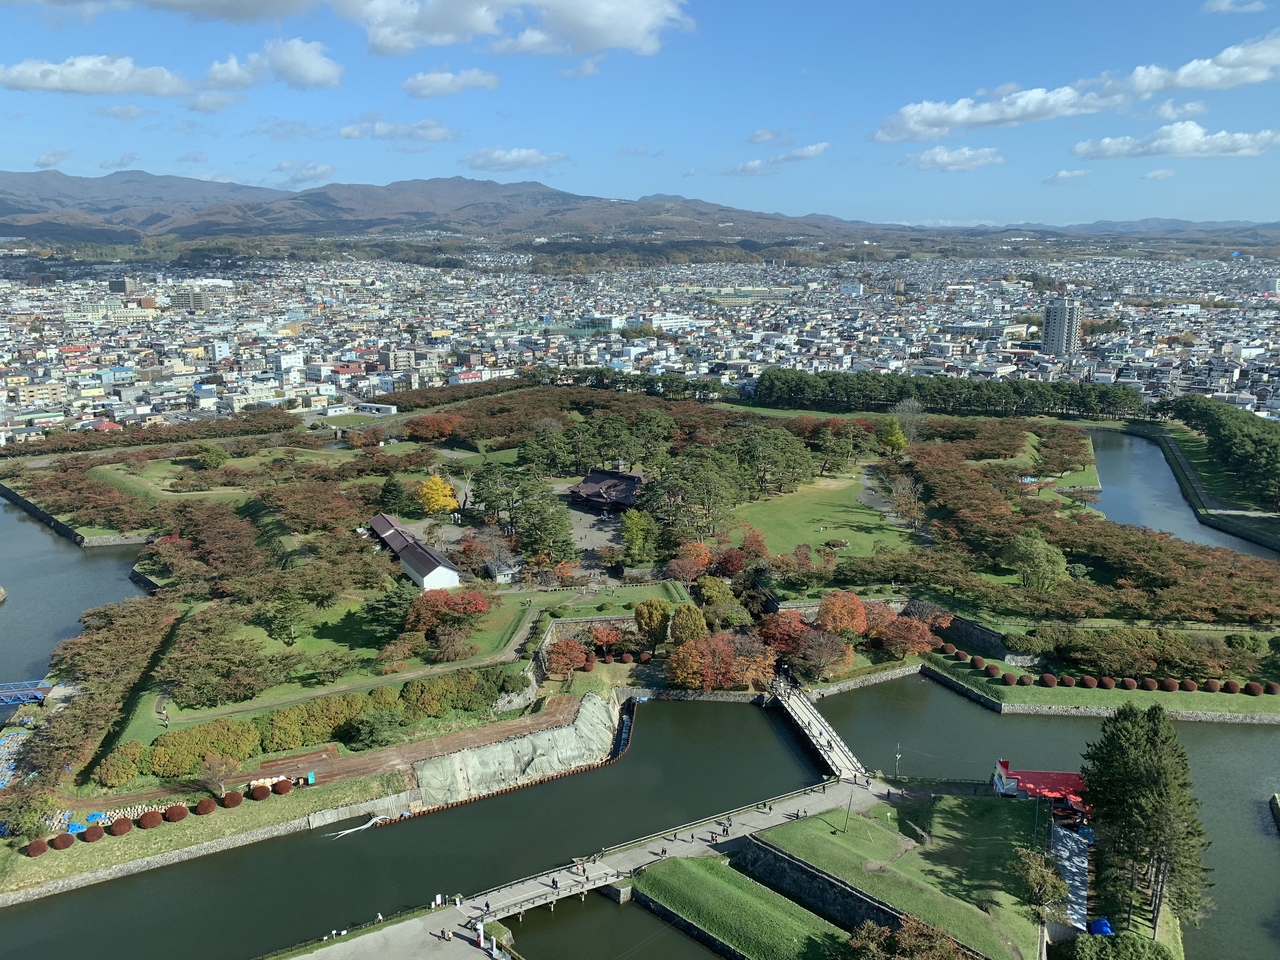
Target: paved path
[(419, 938)]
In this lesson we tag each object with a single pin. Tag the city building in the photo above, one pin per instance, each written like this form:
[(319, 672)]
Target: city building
[(1061, 334)]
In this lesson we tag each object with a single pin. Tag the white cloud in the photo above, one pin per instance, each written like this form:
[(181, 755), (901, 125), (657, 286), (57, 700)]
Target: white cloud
[(440, 82), (296, 63), (932, 118), (213, 102), (520, 158), (1183, 139), (810, 152), (589, 67), (752, 168), (298, 172), (125, 112), (1064, 175), (959, 160), (1255, 61), (126, 161), (765, 136), (47, 161), (1234, 6), (1165, 174), (195, 156), (424, 131), (278, 128), (92, 74), (548, 27), (1168, 110)]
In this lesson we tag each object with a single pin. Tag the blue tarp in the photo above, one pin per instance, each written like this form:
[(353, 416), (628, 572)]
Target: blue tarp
[(1101, 927)]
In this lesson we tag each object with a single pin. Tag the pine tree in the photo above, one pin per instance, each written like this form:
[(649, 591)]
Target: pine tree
[(394, 499)]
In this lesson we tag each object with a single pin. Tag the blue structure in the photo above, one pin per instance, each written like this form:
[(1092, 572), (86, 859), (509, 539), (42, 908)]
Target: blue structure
[(25, 691), (1101, 927)]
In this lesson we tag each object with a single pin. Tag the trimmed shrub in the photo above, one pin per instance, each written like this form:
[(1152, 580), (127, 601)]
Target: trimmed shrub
[(282, 788), (1026, 680), (208, 804), (646, 657), (1009, 679), (1048, 680), (120, 826), (1253, 688), (948, 649), (62, 841), (1067, 680), (1129, 683), (1189, 685), (628, 658), (992, 670), (961, 656), (1231, 687), (1150, 684), (1106, 683), (259, 792), (1088, 682), (978, 663), (176, 814), (1169, 685), (1272, 687), (608, 658), (1212, 686), (93, 834), (37, 848), (588, 666), (150, 820)]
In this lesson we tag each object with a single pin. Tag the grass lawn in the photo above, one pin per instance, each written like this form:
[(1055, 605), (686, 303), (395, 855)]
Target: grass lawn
[(862, 667), (17, 871), (348, 420), (825, 510), (751, 918), (955, 881), (1200, 700), (1218, 481)]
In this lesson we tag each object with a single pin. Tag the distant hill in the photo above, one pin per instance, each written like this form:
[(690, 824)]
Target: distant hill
[(128, 206)]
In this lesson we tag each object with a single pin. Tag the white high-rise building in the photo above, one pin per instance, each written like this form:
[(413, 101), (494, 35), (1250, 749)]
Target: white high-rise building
[(1062, 327)]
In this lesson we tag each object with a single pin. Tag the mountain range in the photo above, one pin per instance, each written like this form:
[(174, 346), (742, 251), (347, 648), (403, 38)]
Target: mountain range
[(128, 206)]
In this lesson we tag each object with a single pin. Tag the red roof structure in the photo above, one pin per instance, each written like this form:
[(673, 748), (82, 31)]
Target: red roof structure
[(1065, 788)]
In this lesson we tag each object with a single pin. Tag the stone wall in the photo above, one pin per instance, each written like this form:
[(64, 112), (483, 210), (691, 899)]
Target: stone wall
[(688, 928), (975, 638), (819, 891), (48, 519), (869, 680), (714, 696)]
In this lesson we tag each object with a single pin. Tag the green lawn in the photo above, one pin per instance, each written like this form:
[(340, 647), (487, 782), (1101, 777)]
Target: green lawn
[(1200, 700), (17, 870), (955, 880), (1217, 480), (825, 510), (751, 918), (348, 420)]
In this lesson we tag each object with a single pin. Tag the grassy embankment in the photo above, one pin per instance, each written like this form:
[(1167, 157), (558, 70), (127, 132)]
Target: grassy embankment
[(942, 861), (825, 510), (18, 871), (1078, 696), (749, 917)]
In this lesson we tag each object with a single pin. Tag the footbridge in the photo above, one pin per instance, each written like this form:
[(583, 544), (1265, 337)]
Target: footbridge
[(829, 744), (24, 691)]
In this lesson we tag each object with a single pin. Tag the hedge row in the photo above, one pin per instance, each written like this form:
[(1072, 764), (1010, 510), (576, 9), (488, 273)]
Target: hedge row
[(1168, 685), (148, 821), (178, 753)]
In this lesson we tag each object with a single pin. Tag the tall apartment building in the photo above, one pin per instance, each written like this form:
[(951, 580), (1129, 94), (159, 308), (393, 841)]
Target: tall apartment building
[(395, 360), (187, 298), (1062, 327)]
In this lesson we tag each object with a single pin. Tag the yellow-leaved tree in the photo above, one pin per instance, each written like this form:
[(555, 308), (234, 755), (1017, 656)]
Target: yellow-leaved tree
[(437, 496)]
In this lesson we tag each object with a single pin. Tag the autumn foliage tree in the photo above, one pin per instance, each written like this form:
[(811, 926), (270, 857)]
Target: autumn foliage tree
[(565, 656), (437, 495), (720, 661), (691, 561), (843, 614), (687, 623), (784, 631)]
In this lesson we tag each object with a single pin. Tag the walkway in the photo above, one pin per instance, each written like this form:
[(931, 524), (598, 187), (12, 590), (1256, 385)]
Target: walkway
[(829, 744), (419, 938)]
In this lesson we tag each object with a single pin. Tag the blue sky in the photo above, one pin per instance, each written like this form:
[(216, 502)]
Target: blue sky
[(914, 111)]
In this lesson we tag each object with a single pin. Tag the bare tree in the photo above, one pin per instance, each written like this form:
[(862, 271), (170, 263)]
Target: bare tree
[(910, 414), (215, 771)]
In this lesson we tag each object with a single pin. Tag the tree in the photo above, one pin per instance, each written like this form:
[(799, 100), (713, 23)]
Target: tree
[(1040, 564), (639, 536), (784, 630), (543, 530), (384, 615), (437, 495), (210, 456), (687, 623), (818, 652), (690, 562), (910, 415), (215, 770), (890, 437), (653, 619), (1043, 889), (394, 499), (565, 656), (375, 729), (281, 617), (704, 663), (842, 613), (905, 636)]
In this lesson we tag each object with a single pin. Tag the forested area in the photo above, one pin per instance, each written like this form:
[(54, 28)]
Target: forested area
[(866, 391), (1241, 442)]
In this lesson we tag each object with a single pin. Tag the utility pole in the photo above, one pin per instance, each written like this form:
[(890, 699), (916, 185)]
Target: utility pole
[(897, 757), (847, 812)]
